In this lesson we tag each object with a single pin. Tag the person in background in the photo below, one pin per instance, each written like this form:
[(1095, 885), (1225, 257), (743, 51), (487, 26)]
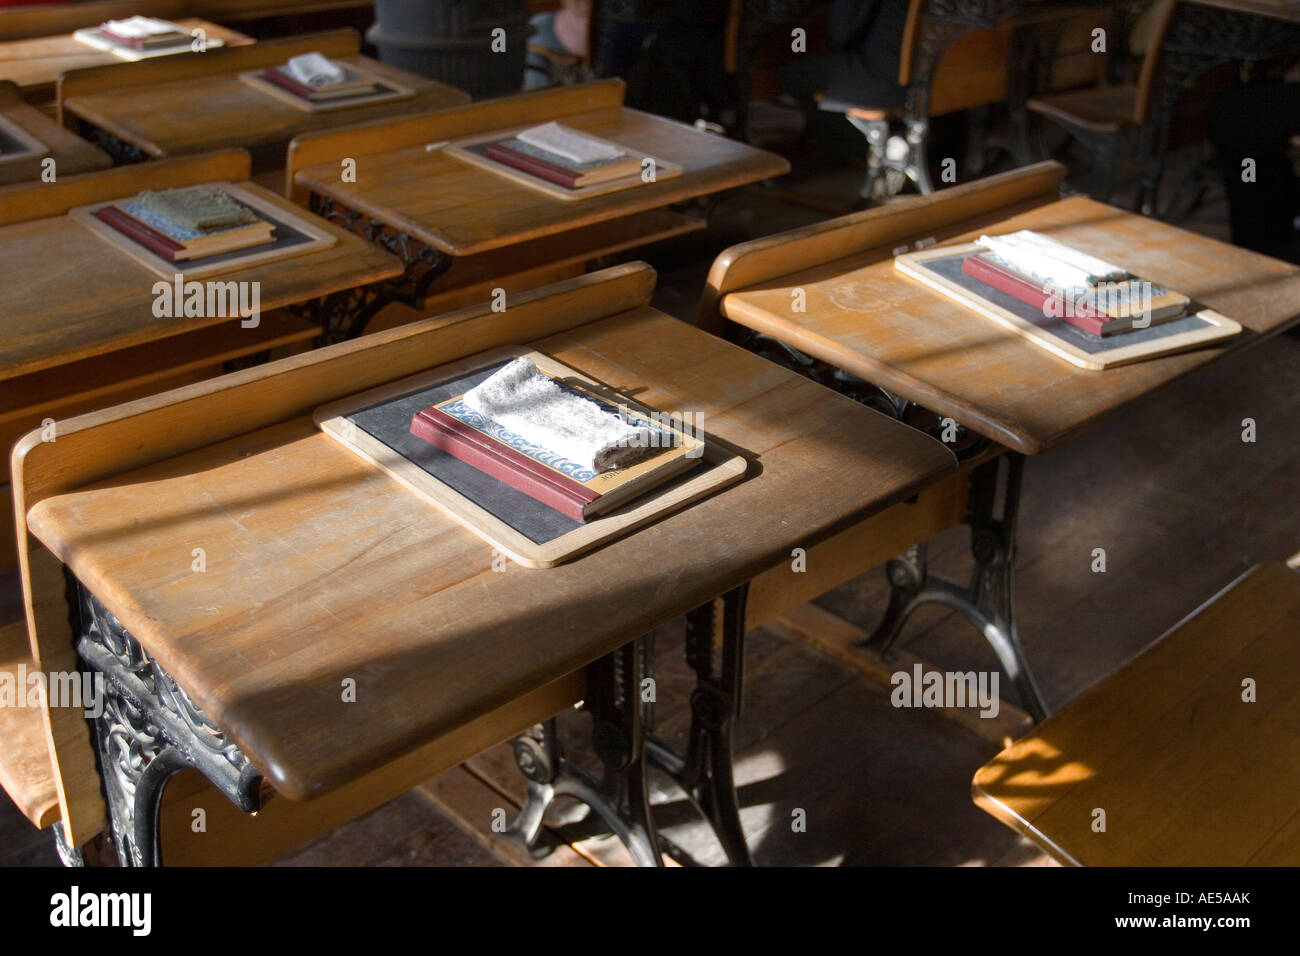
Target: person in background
[(562, 31), (865, 38), (1257, 123)]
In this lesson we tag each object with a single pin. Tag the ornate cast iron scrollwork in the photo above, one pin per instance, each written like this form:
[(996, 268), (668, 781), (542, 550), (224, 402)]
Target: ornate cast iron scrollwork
[(345, 315), (987, 602), (623, 740), (122, 152), (1201, 38), (149, 730), (620, 798)]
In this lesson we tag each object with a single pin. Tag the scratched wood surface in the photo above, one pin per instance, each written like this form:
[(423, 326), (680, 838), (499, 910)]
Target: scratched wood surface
[(319, 567), (71, 153), (169, 109), (864, 316), (35, 64), (70, 294), (463, 209)]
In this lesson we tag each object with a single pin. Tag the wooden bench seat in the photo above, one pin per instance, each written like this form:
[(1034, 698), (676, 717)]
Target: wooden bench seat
[(1102, 109), (1187, 769), (25, 769)]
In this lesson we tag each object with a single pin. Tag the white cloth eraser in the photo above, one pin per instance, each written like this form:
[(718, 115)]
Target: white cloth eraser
[(315, 70), (533, 406), (1052, 261), (574, 146)]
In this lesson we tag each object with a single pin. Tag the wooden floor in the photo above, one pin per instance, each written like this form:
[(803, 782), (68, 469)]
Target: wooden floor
[(1180, 504)]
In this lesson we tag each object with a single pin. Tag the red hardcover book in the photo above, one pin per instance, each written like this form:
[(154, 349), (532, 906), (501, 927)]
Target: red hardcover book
[(133, 228), (281, 79), (532, 165), (1028, 291), (142, 43), (340, 91), (517, 470)]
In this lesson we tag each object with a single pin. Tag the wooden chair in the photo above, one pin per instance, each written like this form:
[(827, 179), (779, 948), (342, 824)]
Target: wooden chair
[(1194, 48), (945, 65), (1185, 757), (1099, 116), (952, 62)]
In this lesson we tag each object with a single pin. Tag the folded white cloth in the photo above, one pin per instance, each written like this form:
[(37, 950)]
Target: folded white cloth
[(531, 405), (574, 146), (1050, 261), (138, 28), (315, 70)]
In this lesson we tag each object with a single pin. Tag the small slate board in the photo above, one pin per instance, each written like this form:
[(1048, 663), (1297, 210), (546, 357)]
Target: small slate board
[(295, 235), (940, 269), (376, 426), (471, 150)]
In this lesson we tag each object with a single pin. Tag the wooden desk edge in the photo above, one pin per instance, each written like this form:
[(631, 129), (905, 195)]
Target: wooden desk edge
[(1008, 816), (784, 253), (1013, 437)]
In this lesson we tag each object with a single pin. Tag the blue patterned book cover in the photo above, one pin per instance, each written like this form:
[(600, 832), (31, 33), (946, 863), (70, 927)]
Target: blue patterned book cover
[(169, 227)]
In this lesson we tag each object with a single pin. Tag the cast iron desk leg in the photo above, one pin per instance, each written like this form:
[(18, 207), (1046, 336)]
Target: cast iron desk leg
[(622, 724), (988, 602)]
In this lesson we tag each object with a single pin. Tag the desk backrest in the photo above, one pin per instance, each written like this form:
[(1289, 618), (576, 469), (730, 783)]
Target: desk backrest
[(1162, 18), (22, 22), (169, 69), (971, 72), (877, 231), (17, 23), (99, 445), (452, 122), (23, 202)]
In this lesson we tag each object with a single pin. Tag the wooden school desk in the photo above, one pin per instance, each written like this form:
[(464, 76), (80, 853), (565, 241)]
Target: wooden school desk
[(168, 107), (319, 567), (71, 153), (77, 327), (907, 349), (35, 64), (1188, 770), (443, 215)]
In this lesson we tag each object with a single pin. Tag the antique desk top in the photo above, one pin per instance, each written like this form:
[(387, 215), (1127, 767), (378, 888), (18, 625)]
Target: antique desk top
[(190, 115), (320, 567), (71, 153), (864, 316), (461, 209), (69, 294), (35, 64)]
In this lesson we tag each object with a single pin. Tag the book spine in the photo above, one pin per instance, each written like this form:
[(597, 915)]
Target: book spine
[(520, 472), (1031, 293), (134, 42), (134, 229), (534, 167), (272, 75)]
